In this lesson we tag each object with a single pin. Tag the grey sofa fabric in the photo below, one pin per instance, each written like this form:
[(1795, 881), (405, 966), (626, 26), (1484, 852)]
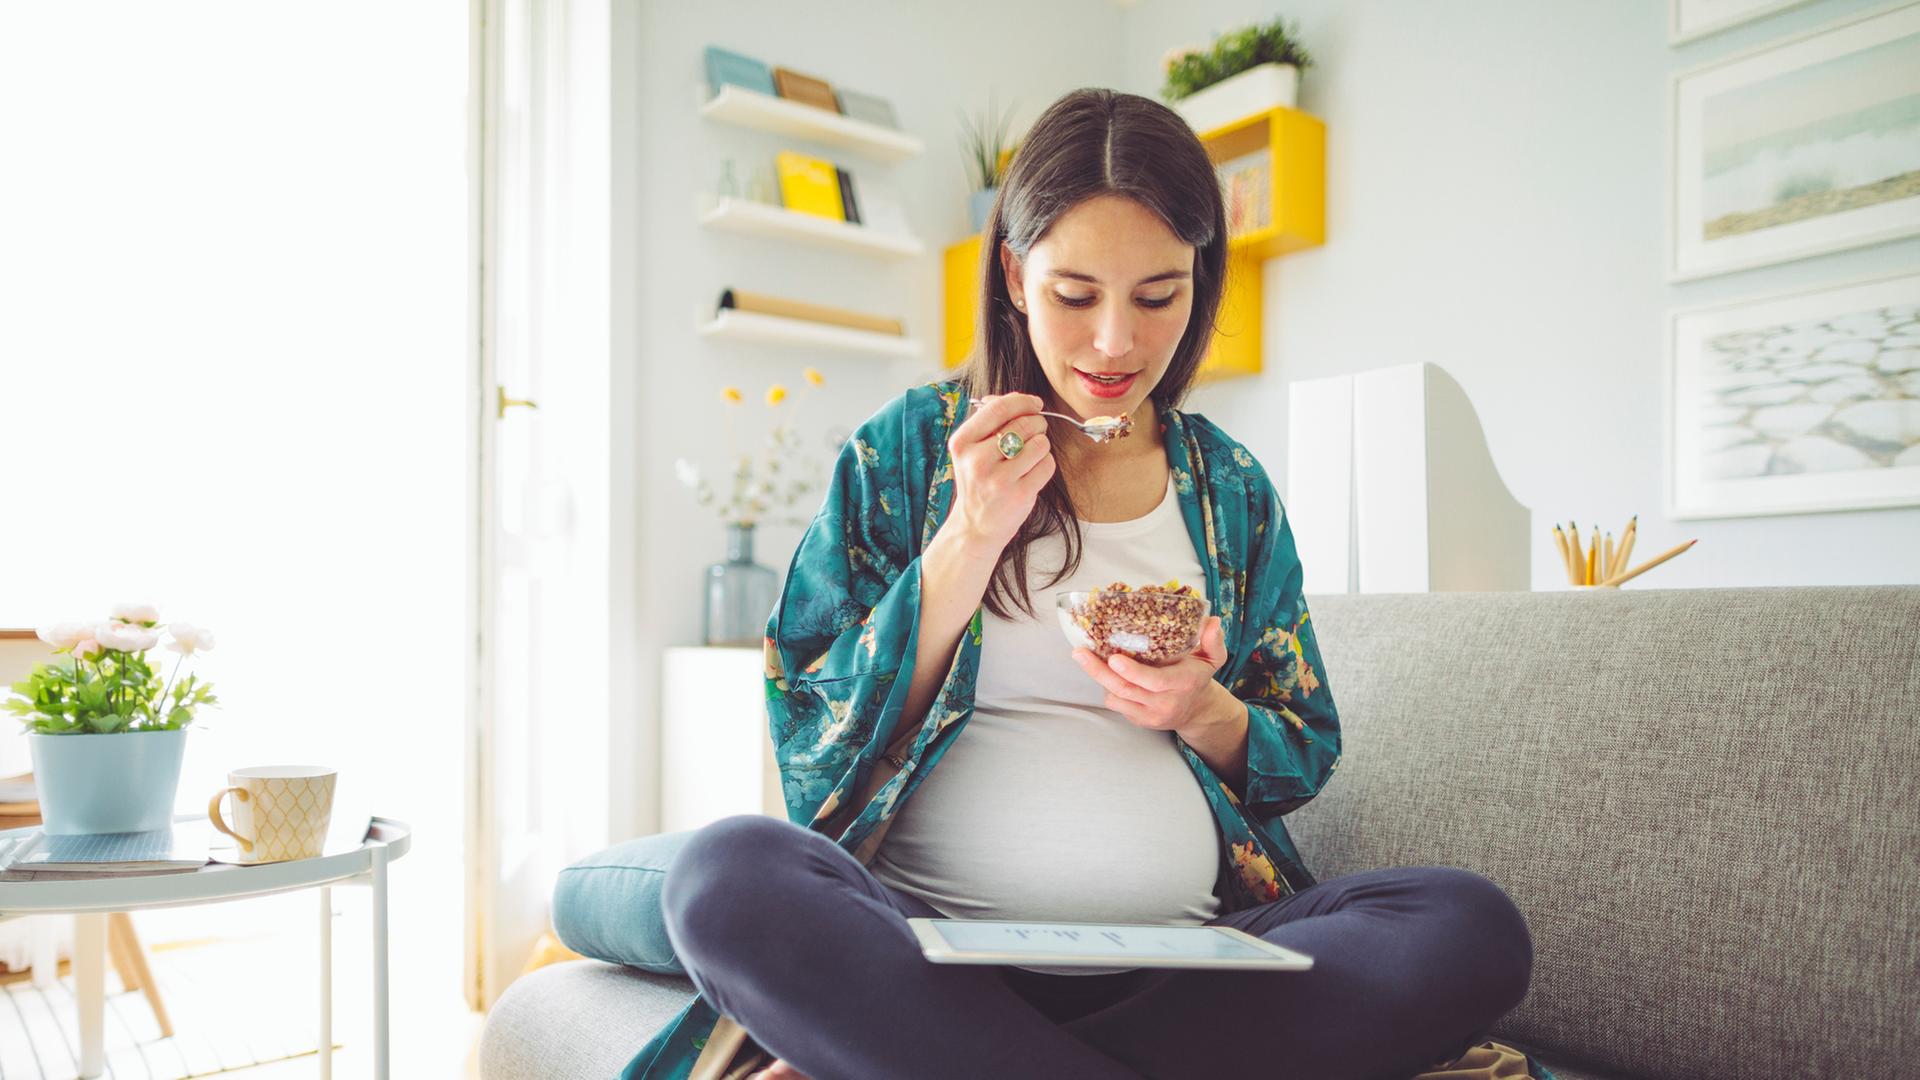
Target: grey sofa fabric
[(579, 1020), (1707, 803)]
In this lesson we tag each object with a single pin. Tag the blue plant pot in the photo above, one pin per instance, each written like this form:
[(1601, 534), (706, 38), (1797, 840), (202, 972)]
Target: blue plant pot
[(979, 205), (124, 782)]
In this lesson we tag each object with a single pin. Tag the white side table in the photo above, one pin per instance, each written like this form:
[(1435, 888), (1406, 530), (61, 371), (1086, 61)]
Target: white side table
[(716, 754), (89, 898)]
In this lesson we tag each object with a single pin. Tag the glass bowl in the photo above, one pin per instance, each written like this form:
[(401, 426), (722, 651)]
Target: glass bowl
[(1154, 624)]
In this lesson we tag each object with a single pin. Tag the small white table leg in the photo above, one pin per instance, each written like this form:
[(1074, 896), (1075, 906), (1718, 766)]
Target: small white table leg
[(326, 982), (90, 986), (46, 954), (379, 853)]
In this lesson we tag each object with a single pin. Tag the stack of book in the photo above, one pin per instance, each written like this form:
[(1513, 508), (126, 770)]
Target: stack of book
[(1246, 183), (728, 68), (812, 185), (183, 847)]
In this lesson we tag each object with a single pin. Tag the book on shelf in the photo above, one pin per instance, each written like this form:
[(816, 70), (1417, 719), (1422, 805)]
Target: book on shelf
[(1246, 182), (805, 89), (881, 208), (762, 304), (874, 110), (849, 203), (726, 68), (182, 847), (809, 185)]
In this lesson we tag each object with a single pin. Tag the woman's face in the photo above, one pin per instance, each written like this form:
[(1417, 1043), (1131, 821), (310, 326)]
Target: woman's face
[(1107, 293)]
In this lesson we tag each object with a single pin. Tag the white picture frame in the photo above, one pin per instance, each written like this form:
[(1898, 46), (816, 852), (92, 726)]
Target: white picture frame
[(1764, 385), (1813, 142), (1691, 20)]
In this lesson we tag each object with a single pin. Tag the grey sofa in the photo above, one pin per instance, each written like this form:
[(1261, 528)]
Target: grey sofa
[(1707, 802)]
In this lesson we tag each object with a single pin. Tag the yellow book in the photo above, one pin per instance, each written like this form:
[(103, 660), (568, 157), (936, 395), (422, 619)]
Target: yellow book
[(809, 185)]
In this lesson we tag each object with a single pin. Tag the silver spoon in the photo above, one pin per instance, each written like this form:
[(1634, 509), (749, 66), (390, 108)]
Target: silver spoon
[(1101, 429)]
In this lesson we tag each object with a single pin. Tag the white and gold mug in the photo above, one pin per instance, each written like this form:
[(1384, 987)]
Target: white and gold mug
[(280, 812)]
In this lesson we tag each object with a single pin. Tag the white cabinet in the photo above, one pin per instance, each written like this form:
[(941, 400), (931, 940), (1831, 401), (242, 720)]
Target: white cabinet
[(716, 755), (1391, 488)]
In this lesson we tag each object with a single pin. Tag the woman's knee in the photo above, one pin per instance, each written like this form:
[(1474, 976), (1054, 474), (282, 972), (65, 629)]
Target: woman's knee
[(725, 876), (1488, 929)]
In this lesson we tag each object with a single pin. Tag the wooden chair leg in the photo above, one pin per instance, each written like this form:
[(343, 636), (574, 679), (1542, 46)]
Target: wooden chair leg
[(122, 927), (117, 950)]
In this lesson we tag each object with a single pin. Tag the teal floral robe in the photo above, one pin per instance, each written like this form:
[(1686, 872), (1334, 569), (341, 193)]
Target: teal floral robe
[(840, 655)]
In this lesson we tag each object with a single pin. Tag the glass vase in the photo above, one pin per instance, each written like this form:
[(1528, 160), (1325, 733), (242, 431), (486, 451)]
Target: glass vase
[(740, 593)]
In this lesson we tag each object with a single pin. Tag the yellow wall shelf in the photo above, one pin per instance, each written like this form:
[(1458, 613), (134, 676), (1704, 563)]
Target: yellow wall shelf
[(1296, 144)]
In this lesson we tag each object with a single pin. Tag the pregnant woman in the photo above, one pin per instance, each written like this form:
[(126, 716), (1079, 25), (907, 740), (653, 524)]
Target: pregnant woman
[(946, 752)]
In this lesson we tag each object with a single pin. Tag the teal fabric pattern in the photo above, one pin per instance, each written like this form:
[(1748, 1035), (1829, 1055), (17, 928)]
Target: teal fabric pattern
[(840, 653)]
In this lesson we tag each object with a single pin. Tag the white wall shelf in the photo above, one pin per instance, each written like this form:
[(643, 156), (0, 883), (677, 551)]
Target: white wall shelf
[(759, 219), (761, 112), (754, 328)]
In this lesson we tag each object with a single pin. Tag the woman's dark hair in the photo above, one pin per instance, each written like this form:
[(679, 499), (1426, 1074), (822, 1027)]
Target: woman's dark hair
[(1089, 143)]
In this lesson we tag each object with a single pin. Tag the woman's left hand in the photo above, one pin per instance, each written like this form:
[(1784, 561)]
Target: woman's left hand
[(1174, 697)]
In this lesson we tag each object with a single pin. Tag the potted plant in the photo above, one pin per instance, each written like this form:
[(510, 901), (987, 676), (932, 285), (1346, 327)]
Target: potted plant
[(1245, 71), (106, 732), (988, 146)]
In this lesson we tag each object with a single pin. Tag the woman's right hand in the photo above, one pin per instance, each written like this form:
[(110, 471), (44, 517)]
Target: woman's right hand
[(993, 494)]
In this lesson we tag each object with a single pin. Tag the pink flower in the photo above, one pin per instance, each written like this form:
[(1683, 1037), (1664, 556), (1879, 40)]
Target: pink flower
[(64, 635), (144, 614), (189, 639), (125, 637)]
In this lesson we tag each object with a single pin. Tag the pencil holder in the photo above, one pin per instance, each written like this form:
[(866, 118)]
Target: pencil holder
[(1601, 563)]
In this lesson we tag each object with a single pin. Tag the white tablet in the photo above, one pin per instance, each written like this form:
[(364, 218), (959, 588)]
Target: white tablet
[(1102, 945)]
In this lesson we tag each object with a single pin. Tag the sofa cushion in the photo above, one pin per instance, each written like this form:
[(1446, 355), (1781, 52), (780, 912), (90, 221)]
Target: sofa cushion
[(1707, 803), (607, 905), (578, 1019)]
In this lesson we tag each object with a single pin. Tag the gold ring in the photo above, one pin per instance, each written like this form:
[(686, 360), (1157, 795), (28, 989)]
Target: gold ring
[(1011, 444)]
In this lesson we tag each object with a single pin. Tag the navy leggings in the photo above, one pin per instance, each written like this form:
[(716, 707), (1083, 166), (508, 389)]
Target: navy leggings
[(783, 930)]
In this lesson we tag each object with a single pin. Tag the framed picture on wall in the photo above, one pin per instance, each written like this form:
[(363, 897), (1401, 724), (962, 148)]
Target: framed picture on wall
[(1798, 148), (1691, 19), (1798, 402)]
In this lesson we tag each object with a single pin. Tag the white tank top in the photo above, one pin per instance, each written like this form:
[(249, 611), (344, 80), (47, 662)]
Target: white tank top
[(1048, 806)]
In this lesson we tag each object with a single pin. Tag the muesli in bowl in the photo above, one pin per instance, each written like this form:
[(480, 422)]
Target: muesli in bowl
[(1154, 624)]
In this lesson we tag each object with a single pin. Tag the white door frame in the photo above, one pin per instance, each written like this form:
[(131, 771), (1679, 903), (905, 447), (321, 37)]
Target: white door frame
[(537, 759)]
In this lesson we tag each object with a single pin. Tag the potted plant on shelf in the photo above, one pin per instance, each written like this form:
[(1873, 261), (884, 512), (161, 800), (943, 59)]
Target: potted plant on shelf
[(1245, 71), (106, 732), (988, 146)]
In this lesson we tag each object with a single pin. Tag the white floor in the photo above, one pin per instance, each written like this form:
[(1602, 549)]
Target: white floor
[(241, 981)]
